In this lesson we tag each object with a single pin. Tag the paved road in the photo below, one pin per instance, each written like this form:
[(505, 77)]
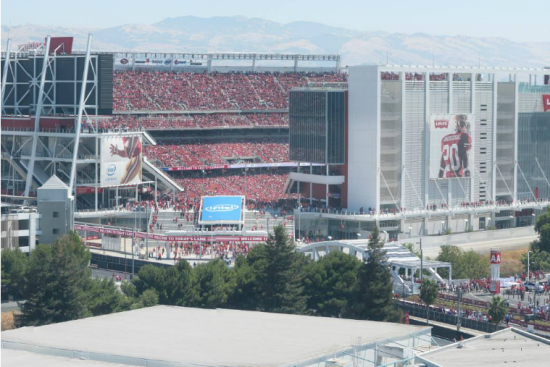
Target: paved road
[(485, 247)]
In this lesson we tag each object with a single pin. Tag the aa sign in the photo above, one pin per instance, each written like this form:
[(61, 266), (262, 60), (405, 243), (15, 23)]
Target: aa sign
[(495, 257)]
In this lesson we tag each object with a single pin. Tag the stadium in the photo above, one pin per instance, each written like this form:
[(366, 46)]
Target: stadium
[(200, 155)]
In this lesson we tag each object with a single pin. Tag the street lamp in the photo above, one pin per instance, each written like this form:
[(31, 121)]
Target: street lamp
[(528, 273)]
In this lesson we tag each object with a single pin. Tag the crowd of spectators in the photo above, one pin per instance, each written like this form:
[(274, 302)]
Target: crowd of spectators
[(416, 76), (157, 90), (263, 188), (206, 153), (198, 121)]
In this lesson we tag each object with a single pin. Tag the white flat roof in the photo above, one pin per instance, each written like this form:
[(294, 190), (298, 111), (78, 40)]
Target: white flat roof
[(507, 347), (27, 359), (207, 337)]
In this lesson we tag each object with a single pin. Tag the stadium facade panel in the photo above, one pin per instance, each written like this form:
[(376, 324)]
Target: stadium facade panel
[(484, 130)]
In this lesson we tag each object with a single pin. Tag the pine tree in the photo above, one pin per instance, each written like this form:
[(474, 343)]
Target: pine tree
[(329, 283), (280, 288), (373, 291), (216, 284), (56, 280), (14, 267)]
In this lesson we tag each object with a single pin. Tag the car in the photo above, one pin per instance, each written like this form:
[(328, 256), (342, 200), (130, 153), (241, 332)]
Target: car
[(534, 287)]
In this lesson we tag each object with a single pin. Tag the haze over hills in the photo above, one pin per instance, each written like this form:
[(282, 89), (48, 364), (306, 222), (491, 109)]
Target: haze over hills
[(241, 34)]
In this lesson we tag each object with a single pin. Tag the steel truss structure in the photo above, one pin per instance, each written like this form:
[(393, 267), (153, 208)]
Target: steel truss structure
[(70, 150)]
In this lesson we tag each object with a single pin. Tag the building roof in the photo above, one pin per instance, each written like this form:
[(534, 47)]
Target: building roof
[(184, 336), (54, 183), (28, 359), (509, 346)]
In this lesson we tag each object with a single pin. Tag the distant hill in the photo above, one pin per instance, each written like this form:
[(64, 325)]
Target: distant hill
[(240, 34)]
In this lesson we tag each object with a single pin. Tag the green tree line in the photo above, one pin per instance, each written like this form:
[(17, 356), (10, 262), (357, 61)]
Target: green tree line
[(57, 284)]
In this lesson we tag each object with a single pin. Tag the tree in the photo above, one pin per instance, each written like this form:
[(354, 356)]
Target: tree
[(542, 227), (176, 285), (539, 260), (243, 296), (329, 283), (466, 265), (373, 290), (14, 267), (103, 297), (429, 291), (280, 288), (410, 247), (216, 284), (498, 309), (55, 282), (148, 298)]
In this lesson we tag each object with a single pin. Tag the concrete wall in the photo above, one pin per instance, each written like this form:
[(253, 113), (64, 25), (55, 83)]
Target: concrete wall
[(471, 237), (50, 224)]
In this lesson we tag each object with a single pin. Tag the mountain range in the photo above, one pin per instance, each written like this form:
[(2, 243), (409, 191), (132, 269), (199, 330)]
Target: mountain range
[(241, 34)]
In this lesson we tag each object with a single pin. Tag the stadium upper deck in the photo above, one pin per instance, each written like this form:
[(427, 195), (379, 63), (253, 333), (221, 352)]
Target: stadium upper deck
[(145, 90)]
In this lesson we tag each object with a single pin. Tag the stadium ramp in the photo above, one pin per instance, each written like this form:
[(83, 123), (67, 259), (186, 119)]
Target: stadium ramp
[(161, 176)]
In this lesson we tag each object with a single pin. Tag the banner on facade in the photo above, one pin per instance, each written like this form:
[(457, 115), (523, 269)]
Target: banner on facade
[(121, 159), (450, 153), (160, 237)]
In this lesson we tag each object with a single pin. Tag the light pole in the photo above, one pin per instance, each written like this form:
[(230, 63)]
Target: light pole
[(528, 277), (421, 262), (300, 220), (147, 233)]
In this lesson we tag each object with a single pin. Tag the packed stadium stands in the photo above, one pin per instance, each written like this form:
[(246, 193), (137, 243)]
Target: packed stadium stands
[(263, 187), (164, 91), (199, 121), (196, 153)]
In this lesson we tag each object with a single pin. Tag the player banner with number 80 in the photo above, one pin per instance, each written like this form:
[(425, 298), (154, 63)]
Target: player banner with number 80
[(450, 146)]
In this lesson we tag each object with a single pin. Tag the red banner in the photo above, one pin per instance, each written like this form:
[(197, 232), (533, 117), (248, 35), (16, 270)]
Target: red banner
[(546, 102), (87, 190), (161, 237), (495, 257)]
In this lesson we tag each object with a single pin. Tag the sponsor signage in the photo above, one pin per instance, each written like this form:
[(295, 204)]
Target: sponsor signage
[(142, 61), (546, 102), (121, 159), (161, 237), (221, 208), (495, 257), (123, 61), (450, 146)]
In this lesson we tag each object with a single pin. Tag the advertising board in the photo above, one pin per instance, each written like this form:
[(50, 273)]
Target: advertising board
[(121, 159), (450, 146)]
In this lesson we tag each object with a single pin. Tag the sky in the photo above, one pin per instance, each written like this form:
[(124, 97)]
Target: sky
[(520, 21)]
